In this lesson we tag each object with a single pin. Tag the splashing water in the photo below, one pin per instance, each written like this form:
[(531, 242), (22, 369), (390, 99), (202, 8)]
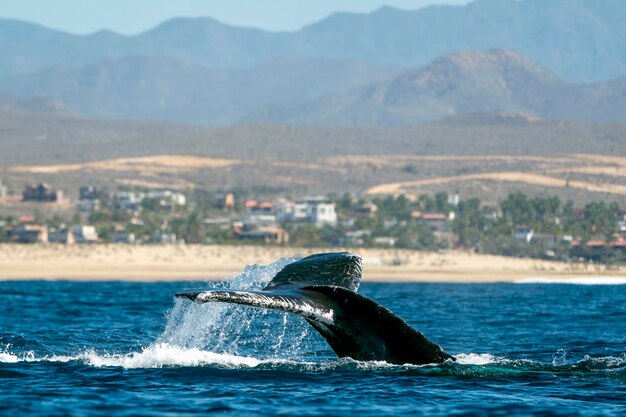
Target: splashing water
[(230, 329)]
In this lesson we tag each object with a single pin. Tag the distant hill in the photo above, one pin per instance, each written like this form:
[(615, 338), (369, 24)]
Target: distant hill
[(466, 82), (154, 87), (580, 40), (10, 105)]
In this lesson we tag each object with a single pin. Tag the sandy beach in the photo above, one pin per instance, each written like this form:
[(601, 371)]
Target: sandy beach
[(195, 262)]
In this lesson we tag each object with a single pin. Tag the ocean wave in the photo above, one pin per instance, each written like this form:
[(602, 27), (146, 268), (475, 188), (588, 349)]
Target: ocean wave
[(468, 364), (155, 356), (574, 280)]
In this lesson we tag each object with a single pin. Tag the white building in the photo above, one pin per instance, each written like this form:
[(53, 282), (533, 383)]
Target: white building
[(127, 200), (453, 199), (3, 190), (175, 198), (159, 236), (313, 210), (85, 234), (524, 233)]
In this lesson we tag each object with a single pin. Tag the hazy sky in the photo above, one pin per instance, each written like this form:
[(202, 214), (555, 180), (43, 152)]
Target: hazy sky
[(133, 16)]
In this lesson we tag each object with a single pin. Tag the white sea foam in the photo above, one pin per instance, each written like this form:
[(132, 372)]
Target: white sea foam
[(160, 355), (475, 359), (155, 356), (574, 280), (8, 358)]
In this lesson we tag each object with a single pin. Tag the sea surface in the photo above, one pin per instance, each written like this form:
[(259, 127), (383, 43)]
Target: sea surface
[(130, 349)]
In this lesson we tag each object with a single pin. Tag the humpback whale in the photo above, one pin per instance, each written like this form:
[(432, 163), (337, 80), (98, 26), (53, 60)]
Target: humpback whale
[(322, 289)]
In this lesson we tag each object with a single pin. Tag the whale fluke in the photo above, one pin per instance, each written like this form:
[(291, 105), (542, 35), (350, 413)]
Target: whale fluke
[(322, 289)]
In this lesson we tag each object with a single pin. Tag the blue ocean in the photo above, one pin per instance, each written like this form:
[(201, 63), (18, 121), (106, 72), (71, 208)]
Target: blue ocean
[(131, 349)]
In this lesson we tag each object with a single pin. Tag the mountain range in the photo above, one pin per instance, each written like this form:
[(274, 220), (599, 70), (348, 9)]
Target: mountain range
[(153, 87), (580, 40), (495, 81), (536, 58)]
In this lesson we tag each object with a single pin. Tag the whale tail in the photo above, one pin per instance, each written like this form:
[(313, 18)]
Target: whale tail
[(322, 289)]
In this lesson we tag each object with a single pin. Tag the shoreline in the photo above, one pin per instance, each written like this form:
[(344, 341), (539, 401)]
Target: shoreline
[(147, 263)]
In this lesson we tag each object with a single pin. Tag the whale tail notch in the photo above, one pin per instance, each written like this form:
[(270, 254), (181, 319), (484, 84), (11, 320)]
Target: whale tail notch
[(322, 289)]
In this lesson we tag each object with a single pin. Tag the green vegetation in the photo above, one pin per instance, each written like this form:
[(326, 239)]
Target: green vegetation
[(520, 225)]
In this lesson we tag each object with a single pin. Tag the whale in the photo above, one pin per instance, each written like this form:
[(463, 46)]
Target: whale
[(322, 289)]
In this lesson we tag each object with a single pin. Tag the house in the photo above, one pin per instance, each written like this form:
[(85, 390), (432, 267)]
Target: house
[(453, 199), (88, 192), (258, 207), (85, 234), (61, 235), (28, 233), (524, 233), (259, 219), (368, 209), (27, 219), (123, 237), (128, 201), (309, 210), (225, 201), (545, 240), (220, 222), (42, 193), (385, 241), (160, 236), (168, 198), (357, 237), (436, 221)]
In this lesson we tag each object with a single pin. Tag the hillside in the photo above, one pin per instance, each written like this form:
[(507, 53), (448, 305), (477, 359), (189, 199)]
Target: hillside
[(580, 40), (155, 87), (39, 106), (485, 156), (498, 80)]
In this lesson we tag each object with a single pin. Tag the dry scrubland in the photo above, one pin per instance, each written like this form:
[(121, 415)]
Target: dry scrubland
[(191, 262), (488, 176), (487, 160)]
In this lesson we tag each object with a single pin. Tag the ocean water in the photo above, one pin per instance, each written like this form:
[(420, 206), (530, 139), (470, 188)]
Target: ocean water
[(130, 349)]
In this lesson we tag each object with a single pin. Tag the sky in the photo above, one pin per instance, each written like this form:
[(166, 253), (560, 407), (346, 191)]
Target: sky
[(134, 16)]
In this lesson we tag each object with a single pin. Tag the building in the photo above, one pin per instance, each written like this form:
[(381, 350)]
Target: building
[(42, 193), (225, 202), (262, 235), (88, 192), (123, 237), (524, 233), (220, 222), (385, 241), (310, 210), (3, 190), (254, 207), (356, 237), (436, 221), (367, 208), (28, 233), (159, 236), (454, 200), (168, 198), (61, 235), (128, 201), (85, 234)]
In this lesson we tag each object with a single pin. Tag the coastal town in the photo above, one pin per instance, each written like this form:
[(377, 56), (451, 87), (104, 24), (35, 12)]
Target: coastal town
[(520, 225)]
